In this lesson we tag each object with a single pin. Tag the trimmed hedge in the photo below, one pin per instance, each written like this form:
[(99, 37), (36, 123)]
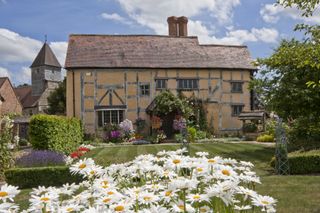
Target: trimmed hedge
[(265, 138), (40, 176), (56, 133), (303, 162)]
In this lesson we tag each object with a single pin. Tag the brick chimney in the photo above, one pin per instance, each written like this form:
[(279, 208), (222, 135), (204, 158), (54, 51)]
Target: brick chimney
[(173, 25), (178, 26), (183, 26)]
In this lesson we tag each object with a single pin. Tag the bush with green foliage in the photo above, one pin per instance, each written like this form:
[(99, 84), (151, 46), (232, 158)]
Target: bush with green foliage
[(303, 162), (166, 102), (56, 133), (265, 138), (40, 176), (304, 135), (201, 135), (249, 127), (6, 159), (192, 132), (178, 137)]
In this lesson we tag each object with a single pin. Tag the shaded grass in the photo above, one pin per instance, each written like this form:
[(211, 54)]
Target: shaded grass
[(294, 193)]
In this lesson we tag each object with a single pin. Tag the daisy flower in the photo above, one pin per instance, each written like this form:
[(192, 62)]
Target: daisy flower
[(8, 192), (196, 198)]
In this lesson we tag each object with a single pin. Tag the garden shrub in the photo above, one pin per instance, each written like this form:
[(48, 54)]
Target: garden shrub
[(265, 138), (304, 135), (201, 135), (249, 127), (56, 133), (6, 158), (192, 132), (303, 162), (178, 137), (23, 142), (39, 158), (40, 176)]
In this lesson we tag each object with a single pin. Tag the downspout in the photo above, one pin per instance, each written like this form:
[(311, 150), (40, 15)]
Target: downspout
[(73, 95)]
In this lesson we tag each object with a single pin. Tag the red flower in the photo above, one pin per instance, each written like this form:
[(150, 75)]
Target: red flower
[(76, 154), (83, 149)]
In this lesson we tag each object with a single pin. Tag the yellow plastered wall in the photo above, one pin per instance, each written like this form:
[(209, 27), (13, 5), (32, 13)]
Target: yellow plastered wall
[(212, 88)]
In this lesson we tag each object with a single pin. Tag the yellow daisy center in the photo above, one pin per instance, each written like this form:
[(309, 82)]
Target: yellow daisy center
[(69, 209), (211, 161), (225, 172), (3, 194), (105, 186), (265, 202), (110, 193), (199, 169), (147, 198), (105, 182), (107, 200), (196, 197), (181, 207), (176, 161), (168, 193), (92, 172), (203, 210), (45, 199), (119, 208), (82, 166)]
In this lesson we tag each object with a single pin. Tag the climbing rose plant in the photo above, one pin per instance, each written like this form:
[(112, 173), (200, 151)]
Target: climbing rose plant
[(166, 182)]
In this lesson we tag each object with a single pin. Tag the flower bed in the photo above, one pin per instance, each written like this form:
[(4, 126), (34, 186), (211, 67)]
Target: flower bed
[(168, 182)]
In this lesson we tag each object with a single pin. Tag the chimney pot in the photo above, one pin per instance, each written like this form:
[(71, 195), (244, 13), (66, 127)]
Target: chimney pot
[(183, 26), (173, 26)]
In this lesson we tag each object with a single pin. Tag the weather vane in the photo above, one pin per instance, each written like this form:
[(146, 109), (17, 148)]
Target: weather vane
[(45, 38)]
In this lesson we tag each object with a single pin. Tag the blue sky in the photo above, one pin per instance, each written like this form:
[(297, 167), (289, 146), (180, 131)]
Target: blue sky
[(259, 24)]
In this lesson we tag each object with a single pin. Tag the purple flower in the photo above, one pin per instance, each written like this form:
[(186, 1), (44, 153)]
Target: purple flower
[(38, 158), (179, 124), (115, 134)]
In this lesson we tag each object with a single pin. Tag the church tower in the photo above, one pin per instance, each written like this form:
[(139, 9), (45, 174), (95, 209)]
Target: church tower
[(45, 71)]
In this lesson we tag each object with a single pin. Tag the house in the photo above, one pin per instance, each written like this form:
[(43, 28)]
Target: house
[(9, 102), (45, 77), (113, 77)]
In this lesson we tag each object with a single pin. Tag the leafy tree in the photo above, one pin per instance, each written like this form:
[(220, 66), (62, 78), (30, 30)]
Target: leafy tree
[(288, 79), (307, 7), (57, 100), (283, 78)]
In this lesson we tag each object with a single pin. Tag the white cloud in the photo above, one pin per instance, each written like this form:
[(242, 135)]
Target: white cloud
[(24, 75), (4, 72), (233, 36), (17, 48), (153, 14), (115, 17), (271, 13), (59, 48)]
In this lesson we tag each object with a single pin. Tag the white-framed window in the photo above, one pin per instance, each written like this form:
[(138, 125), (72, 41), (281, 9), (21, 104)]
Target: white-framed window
[(161, 84), (110, 116), (187, 84), (145, 89), (236, 87), (236, 109)]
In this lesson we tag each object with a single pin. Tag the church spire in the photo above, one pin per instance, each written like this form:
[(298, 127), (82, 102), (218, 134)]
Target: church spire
[(45, 57)]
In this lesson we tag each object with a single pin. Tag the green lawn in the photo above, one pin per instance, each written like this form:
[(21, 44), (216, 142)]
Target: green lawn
[(294, 193)]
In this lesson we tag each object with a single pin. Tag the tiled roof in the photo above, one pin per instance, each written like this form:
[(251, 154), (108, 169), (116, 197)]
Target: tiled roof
[(148, 51), (45, 57), (2, 80), (24, 94)]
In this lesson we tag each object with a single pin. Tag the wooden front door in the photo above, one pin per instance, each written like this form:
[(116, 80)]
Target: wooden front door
[(167, 125)]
